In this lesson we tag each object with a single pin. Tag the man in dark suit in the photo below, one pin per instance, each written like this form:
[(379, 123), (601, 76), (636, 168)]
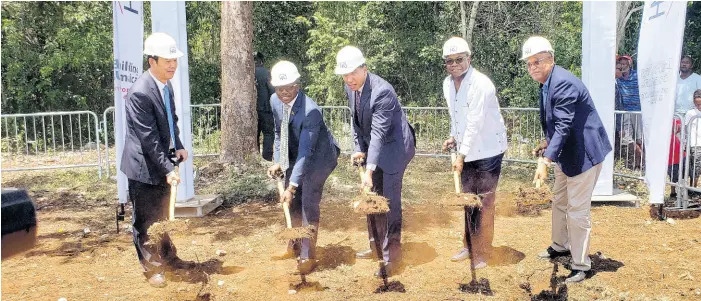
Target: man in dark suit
[(151, 137), (265, 115), (307, 153), (577, 141), (383, 137)]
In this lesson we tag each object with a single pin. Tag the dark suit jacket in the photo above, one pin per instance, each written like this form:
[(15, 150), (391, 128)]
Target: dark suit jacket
[(381, 130), (263, 89), (145, 155), (311, 147), (576, 137)]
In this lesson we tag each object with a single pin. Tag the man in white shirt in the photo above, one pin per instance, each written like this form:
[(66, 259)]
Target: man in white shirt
[(694, 136), (478, 133), (687, 83)]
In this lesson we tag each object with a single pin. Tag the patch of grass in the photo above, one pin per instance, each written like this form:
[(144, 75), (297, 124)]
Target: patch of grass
[(239, 183)]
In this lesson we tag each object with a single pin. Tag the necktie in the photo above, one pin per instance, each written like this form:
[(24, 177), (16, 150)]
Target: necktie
[(169, 112), (284, 131), (357, 103)]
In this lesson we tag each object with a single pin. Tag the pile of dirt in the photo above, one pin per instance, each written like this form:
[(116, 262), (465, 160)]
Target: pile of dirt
[(454, 199), (392, 286), (477, 287), (369, 203), (531, 201)]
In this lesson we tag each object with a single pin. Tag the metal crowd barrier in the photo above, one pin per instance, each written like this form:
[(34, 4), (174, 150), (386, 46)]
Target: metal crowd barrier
[(72, 139), (206, 129), (50, 140)]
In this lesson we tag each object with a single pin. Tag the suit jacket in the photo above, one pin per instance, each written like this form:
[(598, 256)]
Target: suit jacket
[(147, 139), (576, 137), (263, 89), (311, 147), (381, 129)]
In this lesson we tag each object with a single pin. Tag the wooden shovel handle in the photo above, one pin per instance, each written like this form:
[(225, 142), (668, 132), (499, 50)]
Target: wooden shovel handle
[(285, 205), (456, 174), (361, 171), (173, 195)]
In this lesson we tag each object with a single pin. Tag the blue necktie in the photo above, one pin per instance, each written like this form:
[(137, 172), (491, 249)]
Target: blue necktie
[(169, 112)]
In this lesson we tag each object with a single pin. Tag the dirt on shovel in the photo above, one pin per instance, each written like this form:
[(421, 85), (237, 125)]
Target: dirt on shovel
[(296, 233), (531, 201), (462, 199), (370, 203)]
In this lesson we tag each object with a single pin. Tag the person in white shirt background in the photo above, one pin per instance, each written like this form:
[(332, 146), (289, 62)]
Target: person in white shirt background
[(478, 133), (687, 83), (694, 136)]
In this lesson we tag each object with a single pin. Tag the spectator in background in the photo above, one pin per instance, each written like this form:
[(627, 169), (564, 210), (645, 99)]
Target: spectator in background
[(266, 124), (694, 138), (618, 106), (631, 124), (674, 156), (687, 83)]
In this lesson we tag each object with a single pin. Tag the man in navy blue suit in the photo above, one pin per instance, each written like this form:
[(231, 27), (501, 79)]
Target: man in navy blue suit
[(385, 140), (152, 136), (577, 142), (305, 151)]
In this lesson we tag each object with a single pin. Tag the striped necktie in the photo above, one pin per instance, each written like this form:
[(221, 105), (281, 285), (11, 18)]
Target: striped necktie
[(285, 133)]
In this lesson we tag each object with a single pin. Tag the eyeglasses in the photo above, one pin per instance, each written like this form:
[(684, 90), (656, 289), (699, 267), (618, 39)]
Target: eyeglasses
[(536, 63), (287, 89), (459, 60)]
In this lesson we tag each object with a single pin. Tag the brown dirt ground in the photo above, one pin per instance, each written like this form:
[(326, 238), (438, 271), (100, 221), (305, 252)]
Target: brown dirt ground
[(635, 257)]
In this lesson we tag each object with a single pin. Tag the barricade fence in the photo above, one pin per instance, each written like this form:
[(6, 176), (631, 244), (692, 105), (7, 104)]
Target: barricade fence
[(71, 139), (50, 140)]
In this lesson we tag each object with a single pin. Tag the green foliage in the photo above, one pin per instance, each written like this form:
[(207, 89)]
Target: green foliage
[(57, 56)]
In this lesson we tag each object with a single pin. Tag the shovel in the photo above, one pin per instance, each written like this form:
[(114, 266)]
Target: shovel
[(290, 233), (173, 189), (460, 198), (372, 204)]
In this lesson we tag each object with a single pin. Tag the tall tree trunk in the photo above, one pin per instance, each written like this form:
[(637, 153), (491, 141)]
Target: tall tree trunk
[(463, 20), (623, 13), (471, 25), (239, 119)]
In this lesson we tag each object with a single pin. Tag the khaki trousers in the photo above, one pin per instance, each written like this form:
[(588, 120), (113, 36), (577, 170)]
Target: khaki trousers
[(572, 214)]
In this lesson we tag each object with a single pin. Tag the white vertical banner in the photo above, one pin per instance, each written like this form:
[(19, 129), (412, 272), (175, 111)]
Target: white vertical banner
[(128, 26), (598, 64), (659, 51), (169, 17)]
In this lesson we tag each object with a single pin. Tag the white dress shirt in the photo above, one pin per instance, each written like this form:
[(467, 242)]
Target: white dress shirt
[(475, 121), (684, 100), (159, 84), (694, 134)]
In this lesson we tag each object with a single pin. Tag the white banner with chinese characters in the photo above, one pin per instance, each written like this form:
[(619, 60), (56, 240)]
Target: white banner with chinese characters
[(659, 52), (128, 25)]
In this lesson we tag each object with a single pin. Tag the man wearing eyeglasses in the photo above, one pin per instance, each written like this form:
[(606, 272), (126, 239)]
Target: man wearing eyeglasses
[(478, 134), (577, 143), (305, 152), (385, 140)]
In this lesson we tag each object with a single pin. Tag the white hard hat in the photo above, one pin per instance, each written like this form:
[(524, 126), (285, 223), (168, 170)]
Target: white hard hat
[(283, 73), (455, 45), (348, 59), (161, 45), (536, 45)]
